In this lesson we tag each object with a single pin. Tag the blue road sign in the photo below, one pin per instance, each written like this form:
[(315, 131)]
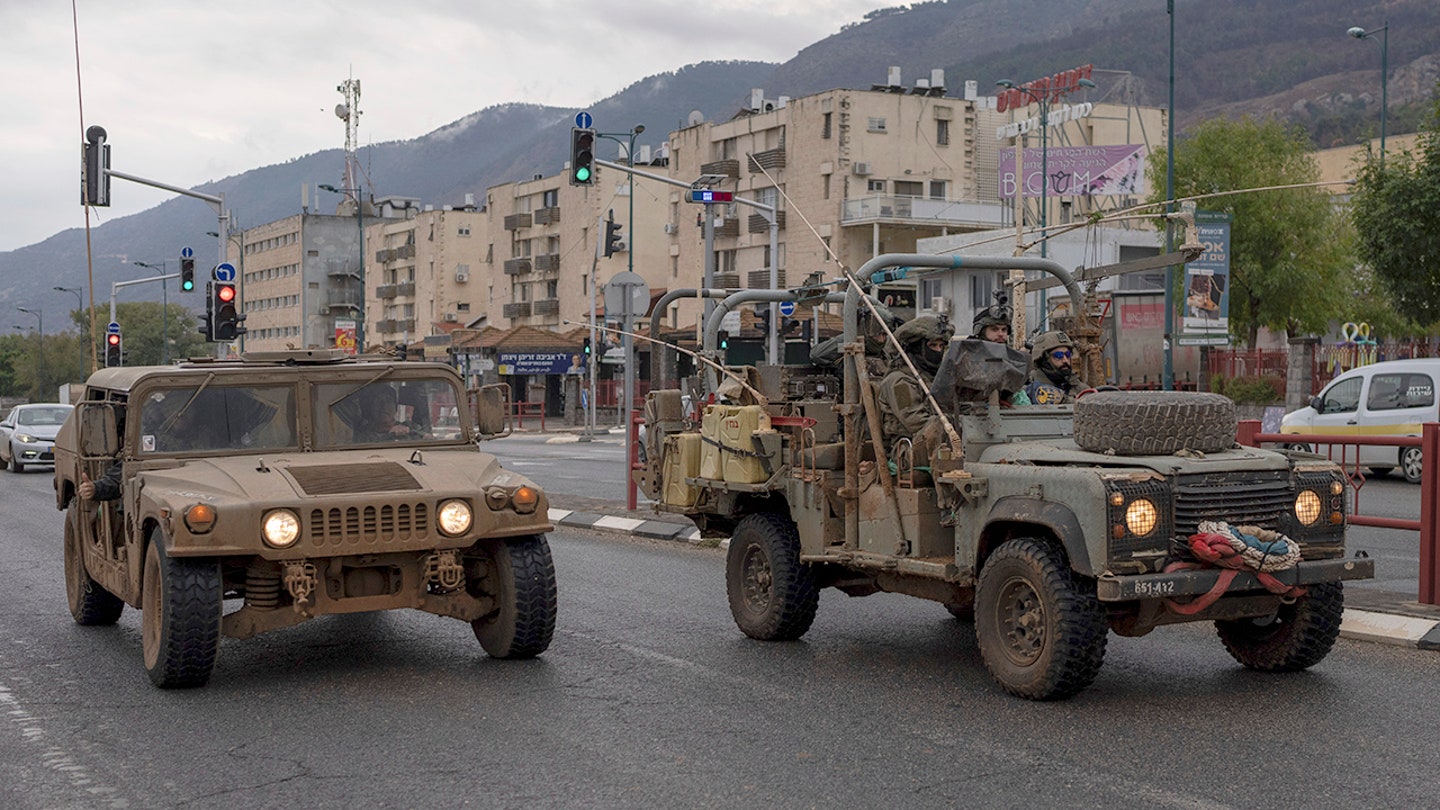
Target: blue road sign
[(225, 271), (787, 308), (187, 253), (112, 328), (584, 120)]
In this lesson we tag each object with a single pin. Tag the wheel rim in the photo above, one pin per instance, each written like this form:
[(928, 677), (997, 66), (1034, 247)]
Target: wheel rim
[(1022, 622), (150, 618), (758, 580), (1413, 462)]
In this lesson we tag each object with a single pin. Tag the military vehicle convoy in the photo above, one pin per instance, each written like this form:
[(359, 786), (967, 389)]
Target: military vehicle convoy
[(237, 497), (1050, 525)]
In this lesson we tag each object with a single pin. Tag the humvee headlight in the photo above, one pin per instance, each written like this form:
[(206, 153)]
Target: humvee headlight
[(525, 499), (1141, 517), (199, 518), (281, 528), (454, 518), (1307, 507)]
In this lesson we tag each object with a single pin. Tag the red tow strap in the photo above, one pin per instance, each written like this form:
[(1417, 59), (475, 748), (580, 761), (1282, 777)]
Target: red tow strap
[(1215, 550)]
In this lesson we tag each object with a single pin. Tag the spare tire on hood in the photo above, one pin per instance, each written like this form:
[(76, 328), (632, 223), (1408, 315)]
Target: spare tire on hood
[(1141, 423)]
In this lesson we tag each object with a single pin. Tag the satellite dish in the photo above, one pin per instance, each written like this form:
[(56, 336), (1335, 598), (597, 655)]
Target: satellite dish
[(694, 118), (342, 112)]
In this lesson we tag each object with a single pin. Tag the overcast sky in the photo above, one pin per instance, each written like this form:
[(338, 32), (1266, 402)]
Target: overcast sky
[(191, 92)]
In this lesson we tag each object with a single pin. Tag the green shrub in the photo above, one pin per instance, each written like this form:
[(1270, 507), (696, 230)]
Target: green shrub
[(1250, 390)]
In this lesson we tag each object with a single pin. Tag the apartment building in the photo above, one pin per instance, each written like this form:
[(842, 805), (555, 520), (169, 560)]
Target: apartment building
[(423, 269)]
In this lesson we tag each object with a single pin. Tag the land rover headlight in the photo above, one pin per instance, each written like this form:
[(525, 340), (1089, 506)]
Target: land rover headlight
[(281, 528), (1141, 516), (454, 518), (1307, 507)]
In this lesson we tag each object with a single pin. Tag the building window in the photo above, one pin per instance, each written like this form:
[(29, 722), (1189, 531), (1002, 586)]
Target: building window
[(825, 180), (552, 289), (462, 307), (909, 188), (550, 198), (877, 186), (937, 189), (825, 126), (942, 133), (875, 124), (463, 230)]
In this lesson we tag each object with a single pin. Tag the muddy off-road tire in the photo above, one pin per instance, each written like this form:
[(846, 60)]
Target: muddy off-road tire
[(1040, 628), (181, 604), (1296, 638), (520, 577), (773, 596), (1137, 423), (963, 612), (90, 604)]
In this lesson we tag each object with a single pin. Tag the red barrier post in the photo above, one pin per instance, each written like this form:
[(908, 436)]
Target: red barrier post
[(632, 459), (1245, 432), (1429, 514)]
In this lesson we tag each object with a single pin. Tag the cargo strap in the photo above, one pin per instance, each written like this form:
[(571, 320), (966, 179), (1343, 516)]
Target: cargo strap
[(1236, 549), (728, 449)]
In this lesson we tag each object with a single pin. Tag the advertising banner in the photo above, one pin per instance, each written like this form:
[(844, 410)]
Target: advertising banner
[(1077, 171), (1205, 301), (536, 362), (345, 335)]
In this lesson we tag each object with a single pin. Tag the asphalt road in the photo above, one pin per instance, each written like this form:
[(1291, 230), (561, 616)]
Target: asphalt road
[(649, 697)]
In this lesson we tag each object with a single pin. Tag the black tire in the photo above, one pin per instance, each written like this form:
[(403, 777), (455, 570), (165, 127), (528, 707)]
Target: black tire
[(965, 612), (181, 604), (773, 596), (1380, 472), (1297, 637), (1411, 463), (520, 577), (90, 604), (15, 465), (1137, 423), (1039, 626)]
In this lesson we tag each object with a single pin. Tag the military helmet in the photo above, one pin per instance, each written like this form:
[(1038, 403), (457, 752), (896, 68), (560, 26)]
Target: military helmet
[(923, 329), (993, 315), (1048, 342)]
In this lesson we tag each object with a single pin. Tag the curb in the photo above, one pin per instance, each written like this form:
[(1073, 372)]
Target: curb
[(1362, 625)]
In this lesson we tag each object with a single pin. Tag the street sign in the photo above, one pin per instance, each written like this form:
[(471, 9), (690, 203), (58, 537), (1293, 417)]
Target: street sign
[(225, 272), (584, 120), (787, 308), (626, 285), (112, 328), (187, 253), (708, 196)]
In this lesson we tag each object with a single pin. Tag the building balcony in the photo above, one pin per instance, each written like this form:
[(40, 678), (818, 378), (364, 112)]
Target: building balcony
[(769, 159), (547, 262), (343, 299), (521, 310), (548, 216), (518, 267), (730, 226), (760, 279), (757, 223), (547, 306), (384, 327), (923, 211), (405, 325), (729, 168), (342, 268), (405, 251), (384, 256), (385, 291), (406, 289), (514, 222), (727, 281)]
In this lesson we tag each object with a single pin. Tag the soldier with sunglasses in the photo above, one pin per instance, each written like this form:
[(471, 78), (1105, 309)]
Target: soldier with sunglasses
[(1053, 381)]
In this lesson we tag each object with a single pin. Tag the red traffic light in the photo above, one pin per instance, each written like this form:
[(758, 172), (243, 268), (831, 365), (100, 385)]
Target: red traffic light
[(113, 340), (225, 293)]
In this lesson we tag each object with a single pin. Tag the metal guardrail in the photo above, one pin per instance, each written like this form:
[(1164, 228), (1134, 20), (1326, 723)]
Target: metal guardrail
[(1248, 433)]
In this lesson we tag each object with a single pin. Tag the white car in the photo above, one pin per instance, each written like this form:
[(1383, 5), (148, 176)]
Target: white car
[(27, 434)]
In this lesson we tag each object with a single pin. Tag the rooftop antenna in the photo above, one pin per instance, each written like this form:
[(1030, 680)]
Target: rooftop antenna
[(349, 112)]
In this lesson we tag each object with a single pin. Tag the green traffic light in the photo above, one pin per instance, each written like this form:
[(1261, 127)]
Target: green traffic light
[(187, 286), (582, 174)]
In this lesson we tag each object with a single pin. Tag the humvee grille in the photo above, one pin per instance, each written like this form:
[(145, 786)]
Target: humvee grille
[(1251, 499), (385, 523), (338, 479)]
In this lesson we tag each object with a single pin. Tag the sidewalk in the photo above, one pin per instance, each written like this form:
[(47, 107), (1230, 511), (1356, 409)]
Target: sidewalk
[(1371, 614)]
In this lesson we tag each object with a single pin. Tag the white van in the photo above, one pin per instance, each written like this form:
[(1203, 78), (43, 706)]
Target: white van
[(1393, 398)]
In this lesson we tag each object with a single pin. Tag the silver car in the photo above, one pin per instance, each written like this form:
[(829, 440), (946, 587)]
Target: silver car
[(27, 434)]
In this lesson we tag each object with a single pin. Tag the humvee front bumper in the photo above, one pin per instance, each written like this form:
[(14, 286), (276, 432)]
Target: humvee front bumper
[(1113, 588)]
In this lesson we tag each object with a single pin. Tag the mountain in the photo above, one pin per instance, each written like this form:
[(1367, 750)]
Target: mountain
[(1232, 57)]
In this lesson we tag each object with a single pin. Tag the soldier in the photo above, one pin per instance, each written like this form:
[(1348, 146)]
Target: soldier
[(993, 322), (904, 409), (1053, 380)]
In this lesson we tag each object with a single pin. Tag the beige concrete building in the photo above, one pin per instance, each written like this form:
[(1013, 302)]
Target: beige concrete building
[(423, 269)]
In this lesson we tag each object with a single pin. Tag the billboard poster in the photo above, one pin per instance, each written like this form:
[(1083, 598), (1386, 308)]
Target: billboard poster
[(536, 362), (1205, 301), (345, 335), (1077, 171)]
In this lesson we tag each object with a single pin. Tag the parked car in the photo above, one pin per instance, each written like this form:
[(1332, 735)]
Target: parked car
[(27, 434), (1393, 398)]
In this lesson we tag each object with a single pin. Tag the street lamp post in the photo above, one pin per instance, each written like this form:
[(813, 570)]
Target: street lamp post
[(80, 307), (164, 311), (1384, 31), (354, 193), (40, 321)]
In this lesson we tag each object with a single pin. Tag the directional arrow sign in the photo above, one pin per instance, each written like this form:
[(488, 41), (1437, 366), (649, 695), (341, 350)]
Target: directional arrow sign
[(787, 308), (112, 328), (225, 272)]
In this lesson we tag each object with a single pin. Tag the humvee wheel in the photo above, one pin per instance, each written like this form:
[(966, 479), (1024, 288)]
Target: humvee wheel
[(180, 605), (1297, 637), (772, 594), (1039, 627), (520, 577), (90, 604)]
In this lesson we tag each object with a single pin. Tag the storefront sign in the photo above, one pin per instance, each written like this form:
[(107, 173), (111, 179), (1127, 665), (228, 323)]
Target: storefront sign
[(1077, 171), (536, 362), (345, 335), (1051, 87), (1205, 306)]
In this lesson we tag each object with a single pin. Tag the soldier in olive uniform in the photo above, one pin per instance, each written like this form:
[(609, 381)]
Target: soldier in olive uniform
[(1053, 380), (904, 410)]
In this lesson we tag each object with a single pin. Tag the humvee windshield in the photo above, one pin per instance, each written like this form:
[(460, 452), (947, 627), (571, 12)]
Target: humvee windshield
[(386, 411), (218, 417)]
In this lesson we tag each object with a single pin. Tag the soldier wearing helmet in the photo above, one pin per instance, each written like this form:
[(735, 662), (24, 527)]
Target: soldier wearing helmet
[(993, 322), (1053, 380), (904, 410)]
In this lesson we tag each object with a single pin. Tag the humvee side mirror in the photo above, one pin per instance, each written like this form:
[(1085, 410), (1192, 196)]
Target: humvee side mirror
[(491, 405), (97, 430)]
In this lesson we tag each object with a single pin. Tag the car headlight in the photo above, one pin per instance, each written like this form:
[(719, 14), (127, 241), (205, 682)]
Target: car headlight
[(1141, 517), (1307, 507), (281, 528), (25, 438), (455, 518)]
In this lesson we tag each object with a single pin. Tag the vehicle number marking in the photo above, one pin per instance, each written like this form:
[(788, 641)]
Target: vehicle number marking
[(1164, 588)]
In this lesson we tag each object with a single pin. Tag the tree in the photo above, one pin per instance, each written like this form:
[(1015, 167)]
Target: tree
[(1290, 253), (143, 329), (1396, 211)]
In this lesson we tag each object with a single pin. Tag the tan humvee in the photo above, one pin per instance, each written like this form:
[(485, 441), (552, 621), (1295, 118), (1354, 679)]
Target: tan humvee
[(236, 497)]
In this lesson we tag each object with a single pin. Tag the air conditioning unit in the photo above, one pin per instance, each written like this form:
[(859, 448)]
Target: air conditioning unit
[(461, 276), (324, 310), (670, 227), (451, 317), (861, 168), (940, 304)]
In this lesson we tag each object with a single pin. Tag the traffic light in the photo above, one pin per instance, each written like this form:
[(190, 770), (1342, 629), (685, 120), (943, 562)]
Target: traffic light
[(225, 316), (207, 318), (94, 168), (614, 240), (112, 350), (187, 275), (587, 349), (582, 157), (724, 339)]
